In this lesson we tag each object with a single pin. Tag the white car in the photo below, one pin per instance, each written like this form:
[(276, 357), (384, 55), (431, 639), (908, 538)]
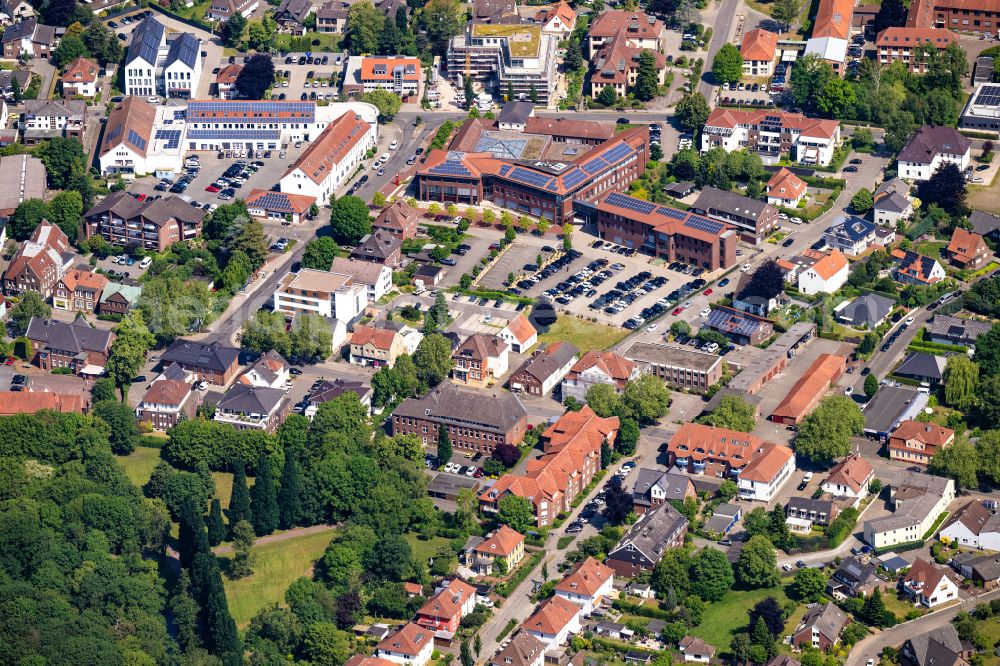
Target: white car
[(783, 216), (909, 320), (688, 304), (807, 477), (705, 312), (376, 166), (394, 145), (384, 157), (652, 327), (202, 385), (796, 220), (745, 268)]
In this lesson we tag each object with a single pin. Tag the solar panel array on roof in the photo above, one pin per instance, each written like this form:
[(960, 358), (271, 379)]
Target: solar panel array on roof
[(179, 114), (574, 178), (731, 322), (172, 137), (146, 41), (115, 132), (504, 169), (450, 169), (672, 213), (630, 203), (988, 96), (253, 110), (595, 165), (618, 153), (276, 201), (234, 135), (185, 49), (529, 177), (704, 224), (136, 140)]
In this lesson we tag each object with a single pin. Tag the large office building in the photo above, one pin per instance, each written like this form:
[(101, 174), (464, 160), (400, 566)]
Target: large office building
[(771, 133), (516, 59), (331, 158), (397, 74), (666, 233), (958, 15), (156, 66)]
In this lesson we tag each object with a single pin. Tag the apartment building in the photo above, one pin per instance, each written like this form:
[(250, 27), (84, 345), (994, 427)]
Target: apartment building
[(642, 31), (331, 158), (147, 50), (247, 407), (598, 367), (377, 347), (771, 134), (917, 500), (330, 295), (213, 363), (616, 65), (930, 147), (153, 224), (39, 263), (657, 531), (511, 58), (903, 44), (769, 469), (46, 119), (679, 367), (79, 291), (758, 50), (376, 277), (700, 449), (397, 74), (480, 360), (917, 442), (166, 402), (754, 220), (77, 347), (182, 67)]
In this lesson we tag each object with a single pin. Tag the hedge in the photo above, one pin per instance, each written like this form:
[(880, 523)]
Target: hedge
[(522, 572), (923, 345), (900, 547), (641, 609)]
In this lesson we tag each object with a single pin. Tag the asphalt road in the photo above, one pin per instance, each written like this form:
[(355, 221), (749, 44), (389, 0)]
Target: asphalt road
[(722, 29)]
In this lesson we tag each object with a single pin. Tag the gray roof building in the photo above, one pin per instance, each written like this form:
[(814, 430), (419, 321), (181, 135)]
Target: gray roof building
[(74, 338), (723, 518), (667, 485), (984, 568), (522, 650), (671, 356), (827, 620), (938, 647), (893, 203), (644, 544), (498, 411), (244, 399), (923, 367), (377, 246), (515, 113), (330, 390), (932, 140), (891, 406), (855, 578), (984, 224), (750, 215), (892, 186), (154, 211), (957, 331), (866, 310), (146, 40), (212, 356)]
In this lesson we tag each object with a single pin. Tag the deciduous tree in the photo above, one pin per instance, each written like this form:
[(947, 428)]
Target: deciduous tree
[(711, 574), (256, 77), (728, 64), (757, 564), (350, 220), (826, 432), (516, 512), (319, 253)]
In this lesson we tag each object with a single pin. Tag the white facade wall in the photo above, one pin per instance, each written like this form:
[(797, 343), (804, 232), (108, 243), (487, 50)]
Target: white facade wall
[(178, 76), (298, 182), (759, 491), (918, 171), (140, 78), (810, 282)]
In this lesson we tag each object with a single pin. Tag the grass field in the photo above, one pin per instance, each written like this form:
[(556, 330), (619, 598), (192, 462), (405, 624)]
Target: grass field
[(422, 550), (585, 335), (985, 197), (139, 464), (931, 249), (724, 618), (276, 565)]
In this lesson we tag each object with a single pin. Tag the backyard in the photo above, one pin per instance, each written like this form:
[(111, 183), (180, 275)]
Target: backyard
[(585, 335), (723, 619)]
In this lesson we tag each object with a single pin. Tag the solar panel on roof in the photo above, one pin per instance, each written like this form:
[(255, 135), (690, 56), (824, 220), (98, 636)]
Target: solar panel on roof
[(172, 137), (574, 178), (595, 165), (504, 169), (704, 224), (136, 140), (529, 177), (988, 96), (115, 132), (450, 169), (234, 135), (730, 322), (274, 201), (630, 203), (672, 213), (618, 153)]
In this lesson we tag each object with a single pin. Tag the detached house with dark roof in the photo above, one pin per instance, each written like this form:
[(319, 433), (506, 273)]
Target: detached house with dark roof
[(927, 584), (379, 247), (168, 401), (78, 347), (248, 407), (938, 647), (182, 67), (865, 311), (973, 525), (854, 578), (754, 220), (654, 487), (930, 147), (820, 627), (213, 363), (945, 329), (656, 531), (851, 235), (144, 58), (31, 37), (540, 374), (522, 650), (923, 367)]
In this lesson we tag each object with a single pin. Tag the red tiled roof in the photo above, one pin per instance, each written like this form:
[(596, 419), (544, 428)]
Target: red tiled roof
[(830, 264), (759, 44), (409, 640), (167, 392), (786, 185), (700, 442), (368, 72), (80, 70), (966, 246), (380, 338), (766, 464), (552, 615), (521, 328), (617, 367), (636, 24), (853, 472), (833, 19), (29, 402), (930, 434), (586, 578), (808, 127), (909, 37), (502, 543), (87, 280), (229, 74), (812, 386), (323, 154)]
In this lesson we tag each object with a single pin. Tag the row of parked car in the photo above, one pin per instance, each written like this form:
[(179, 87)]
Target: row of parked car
[(233, 179), (612, 247), (546, 272)]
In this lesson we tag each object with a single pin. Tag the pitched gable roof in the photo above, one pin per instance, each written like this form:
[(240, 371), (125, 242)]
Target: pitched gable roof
[(759, 44), (827, 619), (765, 465), (973, 515), (380, 338), (330, 147), (409, 640), (521, 328), (929, 141), (830, 264), (501, 543), (965, 246), (552, 616), (617, 367), (75, 338), (481, 347), (785, 184), (130, 124), (586, 578), (852, 472)]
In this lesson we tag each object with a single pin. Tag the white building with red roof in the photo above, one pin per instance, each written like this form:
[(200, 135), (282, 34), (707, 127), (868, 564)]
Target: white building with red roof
[(766, 473), (554, 620), (850, 478), (443, 612), (411, 645), (785, 189), (598, 367), (587, 584), (225, 81), (519, 334), (397, 74), (928, 585), (758, 49), (558, 19), (827, 275), (771, 133), (331, 158), (80, 78), (278, 206)]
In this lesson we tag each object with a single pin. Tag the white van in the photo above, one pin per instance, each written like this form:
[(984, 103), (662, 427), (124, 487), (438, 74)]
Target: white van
[(924, 388), (146, 261)]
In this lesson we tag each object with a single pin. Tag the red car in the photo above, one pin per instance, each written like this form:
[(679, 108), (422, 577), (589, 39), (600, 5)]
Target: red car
[(708, 292), (10, 360), (677, 311), (479, 473), (141, 198), (212, 188)]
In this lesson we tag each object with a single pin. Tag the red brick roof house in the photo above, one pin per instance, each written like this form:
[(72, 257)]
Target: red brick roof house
[(399, 219), (820, 627), (967, 250), (927, 584), (916, 442), (411, 645), (443, 612)]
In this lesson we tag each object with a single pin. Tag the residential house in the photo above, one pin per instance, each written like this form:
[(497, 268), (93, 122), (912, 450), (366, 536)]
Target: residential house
[(940, 646), (571, 458), (754, 220), (892, 208), (967, 250), (914, 268), (118, 299), (399, 219), (679, 367), (586, 584), (411, 645), (29, 37), (442, 613), (866, 311), (494, 11), (765, 474), (715, 452), (826, 275), (248, 407), (820, 627), (850, 235), (270, 370), (695, 650), (225, 81), (784, 188), (17, 9), (783, 660), (214, 363), (742, 328), (986, 225), (917, 500), (328, 390), (376, 277), (598, 367), (948, 330), (557, 19), (330, 158), (856, 578), (167, 402), (291, 15), (365, 660), (811, 511), (7, 79), (654, 487), (772, 133), (849, 478), (182, 67), (39, 263), (375, 346), (811, 387), (80, 78), (381, 248), (152, 224), (330, 295), (641, 30), (331, 17), (221, 10), (758, 49), (927, 584), (983, 569), (144, 59), (544, 370), (480, 360), (514, 116), (553, 621), (78, 347), (505, 545), (519, 334), (972, 525), (79, 291), (427, 276), (613, 630), (923, 367), (657, 530), (616, 65), (477, 420), (522, 650), (929, 148), (278, 206)]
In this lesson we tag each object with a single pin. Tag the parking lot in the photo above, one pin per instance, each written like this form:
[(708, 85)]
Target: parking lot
[(515, 260), (317, 80)]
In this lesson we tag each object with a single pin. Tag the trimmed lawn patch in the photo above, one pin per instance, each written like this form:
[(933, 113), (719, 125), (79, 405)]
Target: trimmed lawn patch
[(585, 335), (276, 566), (725, 617), (423, 550), (140, 463)]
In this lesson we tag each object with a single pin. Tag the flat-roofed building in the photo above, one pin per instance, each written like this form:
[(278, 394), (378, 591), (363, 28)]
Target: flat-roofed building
[(332, 295), (678, 367)]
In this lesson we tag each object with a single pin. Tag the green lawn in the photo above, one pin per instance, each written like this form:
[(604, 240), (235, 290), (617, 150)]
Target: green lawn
[(328, 42), (724, 618), (422, 550), (991, 629), (276, 566), (931, 249), (585, 335), (139, 464)]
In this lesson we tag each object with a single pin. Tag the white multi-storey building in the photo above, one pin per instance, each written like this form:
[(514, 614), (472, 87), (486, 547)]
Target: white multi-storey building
[(182, 67), (331, 295), (929, 148), (771, 133), (331, 158), (146, 53)]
